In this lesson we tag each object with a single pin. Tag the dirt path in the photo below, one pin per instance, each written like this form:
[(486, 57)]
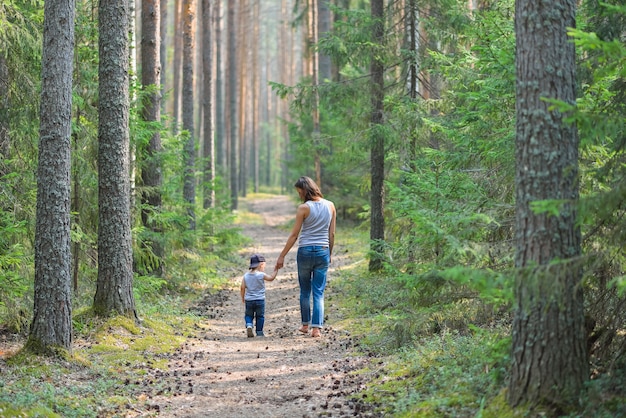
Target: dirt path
[(222, 373)]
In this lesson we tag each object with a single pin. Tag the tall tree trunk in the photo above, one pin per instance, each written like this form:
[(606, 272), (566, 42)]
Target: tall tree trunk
[(232, 86), (255, 96), (377, 153), (177, 63), (4, 113), (313, 31), (114, 288), (286, 74), (52, 314), (323, 31), (220, 131), (242, 39), (189, 186), (163, 5), (151, 174), (549, 353), (208, 145)]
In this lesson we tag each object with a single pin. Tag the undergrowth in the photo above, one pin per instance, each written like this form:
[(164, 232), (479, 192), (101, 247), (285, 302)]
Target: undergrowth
[(441, 344)]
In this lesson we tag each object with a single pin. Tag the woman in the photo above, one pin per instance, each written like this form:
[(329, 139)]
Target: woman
[(314, 230)]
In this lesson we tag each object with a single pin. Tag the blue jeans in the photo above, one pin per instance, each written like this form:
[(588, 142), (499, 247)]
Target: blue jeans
[(313, 264), (255, 308)]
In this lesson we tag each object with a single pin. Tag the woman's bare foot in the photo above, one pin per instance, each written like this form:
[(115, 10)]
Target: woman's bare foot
[(316, 333), (304, 329)]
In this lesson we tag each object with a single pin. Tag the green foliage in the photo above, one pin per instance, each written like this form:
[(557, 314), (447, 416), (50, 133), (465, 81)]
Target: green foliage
[(445, 375), (14, 269), (442, 219)]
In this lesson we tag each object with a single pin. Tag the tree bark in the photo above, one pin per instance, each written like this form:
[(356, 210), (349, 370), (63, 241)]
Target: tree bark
[(4, 113), (52, 314), (255, 96), (324, 19), (163, 5), (114, 290), (220, 131), (549, 353), (243, 95), (314, 54), (232, 86), (177, 66), (377, 153), (189, 187), (151, 173), (208, 144)]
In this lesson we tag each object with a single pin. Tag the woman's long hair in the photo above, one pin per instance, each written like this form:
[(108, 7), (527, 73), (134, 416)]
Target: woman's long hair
[(311, 189)]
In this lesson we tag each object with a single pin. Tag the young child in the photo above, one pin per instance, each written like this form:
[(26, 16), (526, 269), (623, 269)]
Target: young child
[(253, 294)]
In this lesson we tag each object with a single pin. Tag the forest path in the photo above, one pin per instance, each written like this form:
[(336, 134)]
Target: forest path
[(223, 373)]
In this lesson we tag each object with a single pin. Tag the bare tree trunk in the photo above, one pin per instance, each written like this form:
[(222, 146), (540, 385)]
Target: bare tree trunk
[(189, 186), (163, 5), (177, 64), (51, 327), (208, 146), (255, 96), (232, 87), (323, 25), (243, 96), (377, 153), (220, 131), (314, 68), (150, 77), (4, 114), (114, 290), (550, 365), (286, 75)]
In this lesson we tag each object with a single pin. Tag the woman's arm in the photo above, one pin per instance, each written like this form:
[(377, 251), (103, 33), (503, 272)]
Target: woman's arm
[(242, 290), (301, 213), (331, 228)]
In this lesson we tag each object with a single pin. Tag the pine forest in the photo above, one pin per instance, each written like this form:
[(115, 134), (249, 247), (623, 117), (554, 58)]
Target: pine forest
[(473, 150)]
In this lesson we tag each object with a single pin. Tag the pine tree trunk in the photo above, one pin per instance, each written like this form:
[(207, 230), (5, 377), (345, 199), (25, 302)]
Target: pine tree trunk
[(177, 64), (52, 314), (232, 86), (208, 147), (4, 113), (151, 174), (163, 5), (255, 96), (243, 95), (114, 290), (189, 186), (549, 352), (221, 138), (324, 19), (377, 153)]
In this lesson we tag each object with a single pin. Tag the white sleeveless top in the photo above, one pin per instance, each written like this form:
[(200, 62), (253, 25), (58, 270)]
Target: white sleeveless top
[(315, 226), (255, 285)]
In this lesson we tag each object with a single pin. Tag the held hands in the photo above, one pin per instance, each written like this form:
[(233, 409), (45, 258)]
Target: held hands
[(279, 263)]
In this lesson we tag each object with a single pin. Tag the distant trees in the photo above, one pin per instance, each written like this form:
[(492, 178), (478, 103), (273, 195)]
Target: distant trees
[(51, 327)]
